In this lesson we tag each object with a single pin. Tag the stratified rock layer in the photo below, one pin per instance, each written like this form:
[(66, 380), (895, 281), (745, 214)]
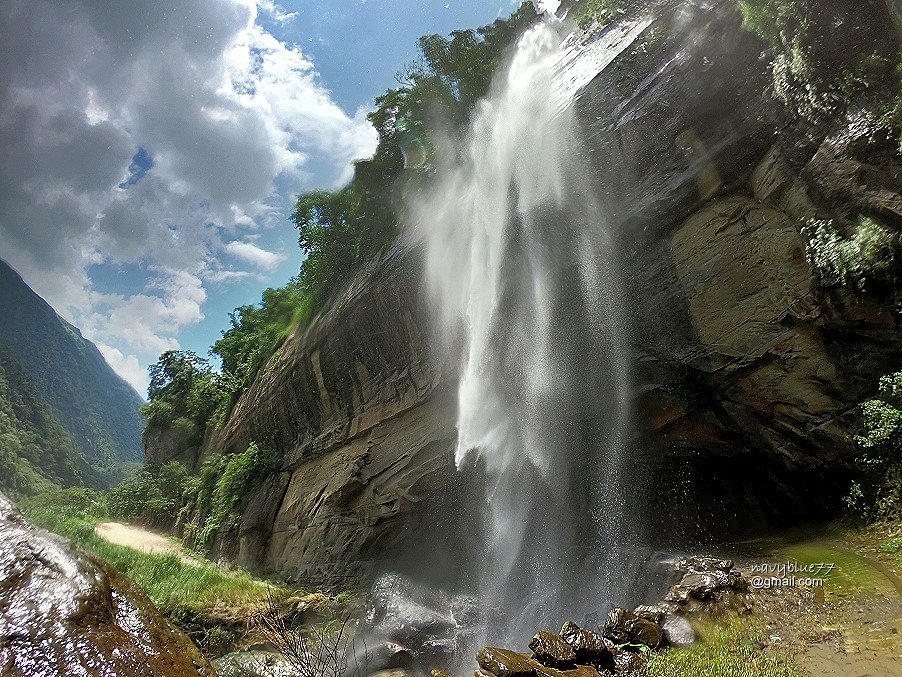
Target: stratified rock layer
[(63, 613), (747, 366)]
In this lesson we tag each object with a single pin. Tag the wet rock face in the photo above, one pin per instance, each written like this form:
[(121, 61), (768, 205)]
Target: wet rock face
[(63, 613), (590, 647), (678, 115), (405, 624), (745, 368)]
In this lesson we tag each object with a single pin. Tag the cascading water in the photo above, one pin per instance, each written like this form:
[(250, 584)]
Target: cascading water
[(523, 270)]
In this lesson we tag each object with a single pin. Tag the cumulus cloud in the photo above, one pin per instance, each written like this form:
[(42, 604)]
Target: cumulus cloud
[(127, 366), (257, 256), (157, 133)]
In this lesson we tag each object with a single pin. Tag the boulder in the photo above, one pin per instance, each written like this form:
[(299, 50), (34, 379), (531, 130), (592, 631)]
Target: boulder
[(406, 624), (655, 612), (63, 612), (624, 627), (699, 564), (255, 663), (617, 625), (505, 663), (589, 647), (628, 662), (645, 632), (678, 631), (551, 649), (706, 583)]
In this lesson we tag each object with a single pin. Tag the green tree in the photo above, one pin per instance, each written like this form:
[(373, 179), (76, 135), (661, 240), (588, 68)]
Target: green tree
[(878, 495), (182, 385)]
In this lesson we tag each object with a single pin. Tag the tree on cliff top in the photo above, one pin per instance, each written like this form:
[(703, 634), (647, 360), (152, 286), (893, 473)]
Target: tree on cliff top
[(183, 388), (340, 230)]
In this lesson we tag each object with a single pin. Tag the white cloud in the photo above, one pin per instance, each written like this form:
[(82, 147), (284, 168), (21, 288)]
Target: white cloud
[(235, 121), (148, 323), (275, 11), (257, 256), (127, 366)]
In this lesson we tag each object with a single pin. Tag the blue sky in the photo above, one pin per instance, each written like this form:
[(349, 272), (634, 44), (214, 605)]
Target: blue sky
[(152, 152), (358, 46)]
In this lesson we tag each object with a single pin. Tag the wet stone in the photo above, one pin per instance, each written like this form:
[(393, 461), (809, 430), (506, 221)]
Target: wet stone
[(625, 627), (655, 612), (578, 671), (628, 662), (678, 631), (552, 650), (589, 647), (63, 612), (504, 662), (645, 632), (705, 564), (617, 626)]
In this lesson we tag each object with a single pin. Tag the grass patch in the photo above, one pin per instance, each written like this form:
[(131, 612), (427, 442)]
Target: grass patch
[(602, 11), (742, 648), (170, 582)]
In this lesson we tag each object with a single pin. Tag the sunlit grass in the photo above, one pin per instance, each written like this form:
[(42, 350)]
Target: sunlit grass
[(168, 580), (740, 648)]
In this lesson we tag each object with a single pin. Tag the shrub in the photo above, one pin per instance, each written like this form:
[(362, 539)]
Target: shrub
[(867, 260), (218, 489), (152, 494), (879, 494), (822, 62)]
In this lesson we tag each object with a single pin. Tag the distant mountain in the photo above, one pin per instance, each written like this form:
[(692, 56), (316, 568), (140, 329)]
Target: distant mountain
[(35, 449), (64, 375)]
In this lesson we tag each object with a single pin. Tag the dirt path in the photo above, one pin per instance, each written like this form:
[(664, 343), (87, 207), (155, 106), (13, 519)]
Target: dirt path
[(141, 539)]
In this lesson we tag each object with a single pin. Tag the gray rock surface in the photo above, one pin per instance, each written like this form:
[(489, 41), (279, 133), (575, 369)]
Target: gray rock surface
[(746, 368)]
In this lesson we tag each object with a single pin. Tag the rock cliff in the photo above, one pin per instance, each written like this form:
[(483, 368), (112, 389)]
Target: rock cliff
[(747, 364)]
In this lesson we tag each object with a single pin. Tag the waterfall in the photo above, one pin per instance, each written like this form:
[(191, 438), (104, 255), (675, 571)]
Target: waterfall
[(523, 271)]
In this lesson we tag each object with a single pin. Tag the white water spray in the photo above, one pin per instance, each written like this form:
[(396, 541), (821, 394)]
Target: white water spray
[(520, 261)]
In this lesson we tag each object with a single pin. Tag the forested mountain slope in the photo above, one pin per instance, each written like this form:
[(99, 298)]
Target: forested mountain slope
[(65, 388)]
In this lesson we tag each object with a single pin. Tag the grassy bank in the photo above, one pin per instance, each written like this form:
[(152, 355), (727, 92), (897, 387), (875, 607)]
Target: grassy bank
[(739, 648), (848, 625), (212, 605)]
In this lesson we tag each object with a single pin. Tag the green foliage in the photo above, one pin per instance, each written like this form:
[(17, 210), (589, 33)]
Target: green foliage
[(893, 545), (340, 230), (822, 63), (868, 259), (893, 115), (36, 452), (152, 494), (734, 650), (93, 407), (879, 494), (602, 11), (256, 332), (184, 391), (767, 18), (216, 492), (169, 581)]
